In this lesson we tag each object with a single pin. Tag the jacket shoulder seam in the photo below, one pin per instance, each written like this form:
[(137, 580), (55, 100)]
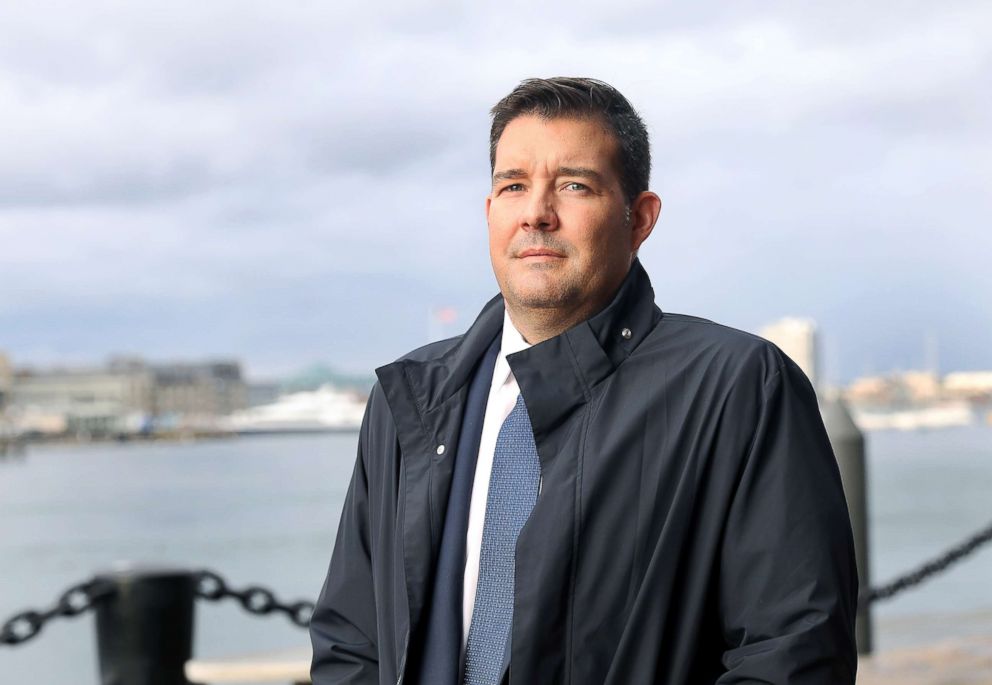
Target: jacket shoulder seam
[(773, 377), (687, 319)]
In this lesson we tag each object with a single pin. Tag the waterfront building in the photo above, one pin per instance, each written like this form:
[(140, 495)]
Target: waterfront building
[(969, 385), (798, 339), (204, 390), (921, 387), (872, 391), (81, 401), (898, 389), (916, 388), (6, 380), (913, 400), (127, 396)]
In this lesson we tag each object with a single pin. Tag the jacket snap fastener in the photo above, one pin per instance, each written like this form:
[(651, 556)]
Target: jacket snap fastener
[(625, 334), (440, 449)]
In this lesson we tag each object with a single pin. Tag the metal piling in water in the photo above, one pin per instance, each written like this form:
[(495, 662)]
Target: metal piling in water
[(145, 626), (848, 443)]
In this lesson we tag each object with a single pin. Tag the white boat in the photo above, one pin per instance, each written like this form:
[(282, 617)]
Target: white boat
[(326, 409), (944, 415)]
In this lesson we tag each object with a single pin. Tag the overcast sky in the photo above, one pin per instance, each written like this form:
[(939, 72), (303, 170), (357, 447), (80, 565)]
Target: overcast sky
[(287, 183)]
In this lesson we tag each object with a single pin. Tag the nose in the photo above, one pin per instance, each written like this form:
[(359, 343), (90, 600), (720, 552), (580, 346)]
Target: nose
[(539, 213)]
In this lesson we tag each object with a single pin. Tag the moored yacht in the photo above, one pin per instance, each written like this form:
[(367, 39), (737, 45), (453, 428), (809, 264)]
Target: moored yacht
[(325, 409)]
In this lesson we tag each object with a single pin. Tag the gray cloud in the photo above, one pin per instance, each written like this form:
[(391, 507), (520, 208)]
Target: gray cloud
[(300, 182)]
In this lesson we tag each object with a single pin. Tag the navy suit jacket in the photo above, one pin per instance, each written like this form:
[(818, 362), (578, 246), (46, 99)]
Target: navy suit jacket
[(440, 644)]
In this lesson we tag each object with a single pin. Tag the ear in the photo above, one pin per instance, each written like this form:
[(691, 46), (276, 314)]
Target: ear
[(644, 211)]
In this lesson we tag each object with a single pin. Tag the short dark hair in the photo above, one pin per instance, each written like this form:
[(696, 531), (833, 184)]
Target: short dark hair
[(565, 97)]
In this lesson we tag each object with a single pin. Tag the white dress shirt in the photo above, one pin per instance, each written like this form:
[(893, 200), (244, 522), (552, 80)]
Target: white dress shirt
[(502, 397)]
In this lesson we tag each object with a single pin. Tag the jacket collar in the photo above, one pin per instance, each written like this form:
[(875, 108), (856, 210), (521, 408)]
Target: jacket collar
[(554, 375), (558, 375)]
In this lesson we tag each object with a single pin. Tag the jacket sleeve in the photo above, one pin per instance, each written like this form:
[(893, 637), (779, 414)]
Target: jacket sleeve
[(788, 579), (343, 625)]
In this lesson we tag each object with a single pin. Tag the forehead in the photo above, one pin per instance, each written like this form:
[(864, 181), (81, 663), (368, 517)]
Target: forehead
[(529, 139)]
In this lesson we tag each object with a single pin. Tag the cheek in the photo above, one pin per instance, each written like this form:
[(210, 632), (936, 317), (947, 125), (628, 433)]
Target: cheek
[(497, 240), (500, 232), (604, 236), (498, 248)]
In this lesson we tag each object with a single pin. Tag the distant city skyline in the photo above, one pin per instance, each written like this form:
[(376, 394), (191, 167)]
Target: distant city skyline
[(805, 347), (295, 184)]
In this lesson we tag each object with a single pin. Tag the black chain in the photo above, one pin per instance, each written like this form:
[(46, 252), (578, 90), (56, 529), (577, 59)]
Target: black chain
[(260, 601), (76, 600), (926, 570), (254, 598)]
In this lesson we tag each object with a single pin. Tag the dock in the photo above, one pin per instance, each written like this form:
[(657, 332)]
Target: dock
[(291, 667), (955, 661)]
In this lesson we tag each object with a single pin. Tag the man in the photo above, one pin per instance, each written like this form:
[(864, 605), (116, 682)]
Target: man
[(582, 488)]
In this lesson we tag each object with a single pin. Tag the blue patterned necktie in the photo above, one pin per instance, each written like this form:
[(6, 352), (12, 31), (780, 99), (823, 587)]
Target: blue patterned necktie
[(513, 488)]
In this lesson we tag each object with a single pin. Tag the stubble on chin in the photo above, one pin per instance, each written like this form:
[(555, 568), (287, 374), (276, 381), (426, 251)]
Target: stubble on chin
[(542, 291)]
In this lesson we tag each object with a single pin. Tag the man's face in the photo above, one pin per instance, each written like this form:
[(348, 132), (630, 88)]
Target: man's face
[(559, 235)]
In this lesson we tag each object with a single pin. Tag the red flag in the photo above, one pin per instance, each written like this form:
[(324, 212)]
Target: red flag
[(445, 315)]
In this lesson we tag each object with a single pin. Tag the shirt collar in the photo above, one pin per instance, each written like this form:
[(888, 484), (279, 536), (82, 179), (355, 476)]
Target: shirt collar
[(510, 343)]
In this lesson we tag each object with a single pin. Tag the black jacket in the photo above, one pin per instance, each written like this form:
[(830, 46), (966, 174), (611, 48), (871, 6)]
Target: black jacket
[(691, 526)]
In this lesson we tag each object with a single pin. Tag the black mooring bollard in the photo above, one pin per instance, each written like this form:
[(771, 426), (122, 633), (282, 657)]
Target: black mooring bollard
[(848, 443), (144, 627)]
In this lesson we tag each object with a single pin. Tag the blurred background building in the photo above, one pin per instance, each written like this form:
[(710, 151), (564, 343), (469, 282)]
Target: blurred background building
[(6, 380), (798, 339), (126, 396)]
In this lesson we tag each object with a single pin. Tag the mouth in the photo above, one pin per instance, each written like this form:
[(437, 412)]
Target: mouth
[(539, 253)]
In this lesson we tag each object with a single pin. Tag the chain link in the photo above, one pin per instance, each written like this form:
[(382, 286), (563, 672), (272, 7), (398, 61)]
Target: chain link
[(255, 599), (258, 600), (926, 570), (77, 600)]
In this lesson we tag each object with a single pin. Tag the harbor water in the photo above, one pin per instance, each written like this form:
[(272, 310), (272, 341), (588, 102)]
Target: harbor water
[(264, 510)]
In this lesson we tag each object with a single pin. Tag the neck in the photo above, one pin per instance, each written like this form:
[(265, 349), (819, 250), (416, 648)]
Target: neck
[(539, 324)]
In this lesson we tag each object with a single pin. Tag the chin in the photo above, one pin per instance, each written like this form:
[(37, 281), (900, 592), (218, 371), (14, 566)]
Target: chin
[(543, 294)]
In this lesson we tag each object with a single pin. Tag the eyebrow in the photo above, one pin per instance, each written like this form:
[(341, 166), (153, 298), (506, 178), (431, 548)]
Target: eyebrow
[(508, 174), (578, 171), (581, 172)]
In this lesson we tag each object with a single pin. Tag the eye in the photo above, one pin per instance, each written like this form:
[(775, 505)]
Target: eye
[(575, 186), (512, 188)]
